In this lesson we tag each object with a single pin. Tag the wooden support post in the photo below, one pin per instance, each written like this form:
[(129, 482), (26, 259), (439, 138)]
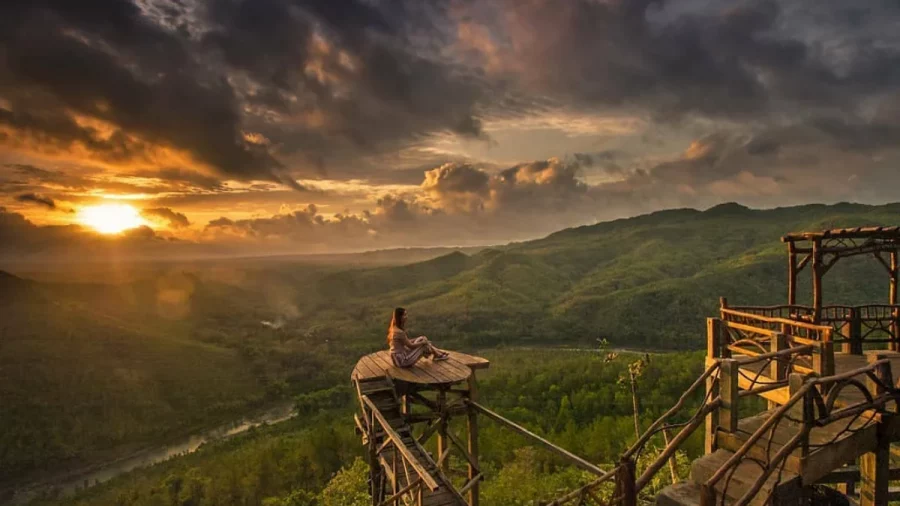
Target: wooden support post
[(374, 467), (778, 371), (851, 329), (817, 271), (795, 383), (472, 429), (442, 441), (823, 360), (728, 391), (884, 375), (892, 300), (846, 488), (625, 479), (792, 274), (875, 468), (713, 351)]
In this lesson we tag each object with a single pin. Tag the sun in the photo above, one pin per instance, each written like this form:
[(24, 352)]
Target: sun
[(110, 218)]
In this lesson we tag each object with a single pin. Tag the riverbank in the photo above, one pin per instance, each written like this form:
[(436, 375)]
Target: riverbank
[(69, 482)]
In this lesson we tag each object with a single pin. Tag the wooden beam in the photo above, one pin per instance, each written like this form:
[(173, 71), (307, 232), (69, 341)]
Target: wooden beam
[(442, 428), (565, 454), (882, 261), (472, 471), (792, 274), (400, 446), (401, 492), (817, 280), (892, 300), (892, 296), (729, 382), (875, 468), (777, 371), (804, 261)]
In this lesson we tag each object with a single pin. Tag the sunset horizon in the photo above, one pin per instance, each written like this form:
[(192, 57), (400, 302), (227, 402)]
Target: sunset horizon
[(298, 127)]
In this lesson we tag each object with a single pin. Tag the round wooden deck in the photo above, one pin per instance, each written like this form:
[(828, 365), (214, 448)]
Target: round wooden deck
[(454, 370)]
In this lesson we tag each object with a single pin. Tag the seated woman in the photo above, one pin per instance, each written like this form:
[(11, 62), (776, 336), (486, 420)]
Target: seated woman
[(405, 352)]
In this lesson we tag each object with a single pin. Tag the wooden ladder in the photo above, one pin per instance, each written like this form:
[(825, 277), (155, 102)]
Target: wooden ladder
[(397, 475)]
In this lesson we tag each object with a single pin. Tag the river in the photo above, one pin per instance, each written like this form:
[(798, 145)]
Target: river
[(71, 482)]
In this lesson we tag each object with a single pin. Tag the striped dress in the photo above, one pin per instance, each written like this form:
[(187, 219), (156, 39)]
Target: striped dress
[(402, 355)]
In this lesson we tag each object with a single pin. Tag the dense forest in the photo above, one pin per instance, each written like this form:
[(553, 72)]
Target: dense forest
[(96, 363), (574, 399)]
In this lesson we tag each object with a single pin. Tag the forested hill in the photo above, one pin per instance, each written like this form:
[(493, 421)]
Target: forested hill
[(89, 370), (644, 281)]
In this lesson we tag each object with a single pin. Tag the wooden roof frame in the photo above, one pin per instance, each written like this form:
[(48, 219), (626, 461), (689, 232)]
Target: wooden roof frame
[(823, 249)]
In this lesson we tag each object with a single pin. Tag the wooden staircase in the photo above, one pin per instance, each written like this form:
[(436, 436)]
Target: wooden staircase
[(783, 489), (408, 469), (826, 448)]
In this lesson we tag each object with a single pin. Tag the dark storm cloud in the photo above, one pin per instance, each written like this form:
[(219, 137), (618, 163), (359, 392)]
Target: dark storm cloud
[(345, 73), (105, 60), (174, 219), (310, 76), (728, 60), (34, 198)]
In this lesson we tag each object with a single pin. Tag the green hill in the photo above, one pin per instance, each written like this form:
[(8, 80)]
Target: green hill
[(644, 281), (76, 384), (87, 369)]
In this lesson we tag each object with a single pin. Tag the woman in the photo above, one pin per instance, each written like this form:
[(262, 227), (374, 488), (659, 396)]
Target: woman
[(405, 352)]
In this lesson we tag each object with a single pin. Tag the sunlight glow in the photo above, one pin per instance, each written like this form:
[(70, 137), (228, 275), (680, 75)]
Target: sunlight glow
[(110, 218)]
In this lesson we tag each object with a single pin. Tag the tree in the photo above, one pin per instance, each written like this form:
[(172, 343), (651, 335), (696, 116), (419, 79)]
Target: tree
[(349, 487)]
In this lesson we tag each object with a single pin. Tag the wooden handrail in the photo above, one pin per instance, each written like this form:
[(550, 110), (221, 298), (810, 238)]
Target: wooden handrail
[(674, 409), (676, 442), (571, 457), (590, 486), (761, 357), (400, 446), (809, 384), (415, 483), (774, 319)]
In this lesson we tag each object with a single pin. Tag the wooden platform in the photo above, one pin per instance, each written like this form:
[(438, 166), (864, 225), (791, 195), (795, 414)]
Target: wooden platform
[(454, 370)]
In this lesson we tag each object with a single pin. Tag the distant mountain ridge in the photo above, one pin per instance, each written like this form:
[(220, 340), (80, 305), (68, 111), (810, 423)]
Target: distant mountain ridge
[(647, 280)]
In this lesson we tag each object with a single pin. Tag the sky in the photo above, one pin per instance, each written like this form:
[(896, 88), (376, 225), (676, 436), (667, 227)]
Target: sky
[(157, 128)]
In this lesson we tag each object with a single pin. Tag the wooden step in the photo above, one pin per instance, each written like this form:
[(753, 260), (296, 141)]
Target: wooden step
[(831, 446), (783, 491), (683, 494)]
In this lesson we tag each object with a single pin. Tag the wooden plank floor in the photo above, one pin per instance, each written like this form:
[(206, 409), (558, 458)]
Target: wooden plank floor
[(426, 371)]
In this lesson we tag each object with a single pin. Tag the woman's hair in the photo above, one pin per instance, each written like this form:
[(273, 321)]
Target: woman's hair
[(396, 321)]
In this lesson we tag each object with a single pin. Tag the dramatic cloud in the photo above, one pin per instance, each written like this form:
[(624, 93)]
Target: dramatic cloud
[(329, 125)]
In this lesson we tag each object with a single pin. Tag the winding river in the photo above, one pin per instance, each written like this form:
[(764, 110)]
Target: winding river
[(71, 482)]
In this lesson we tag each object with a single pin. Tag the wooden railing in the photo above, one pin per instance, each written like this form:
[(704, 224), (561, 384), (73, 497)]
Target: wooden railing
[(724, 381), (812, 402), (400, 458), (745, 334), (852, 326)]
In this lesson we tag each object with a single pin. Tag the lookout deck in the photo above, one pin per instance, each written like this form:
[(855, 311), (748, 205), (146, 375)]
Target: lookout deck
[(393, 402), (456, 369)]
